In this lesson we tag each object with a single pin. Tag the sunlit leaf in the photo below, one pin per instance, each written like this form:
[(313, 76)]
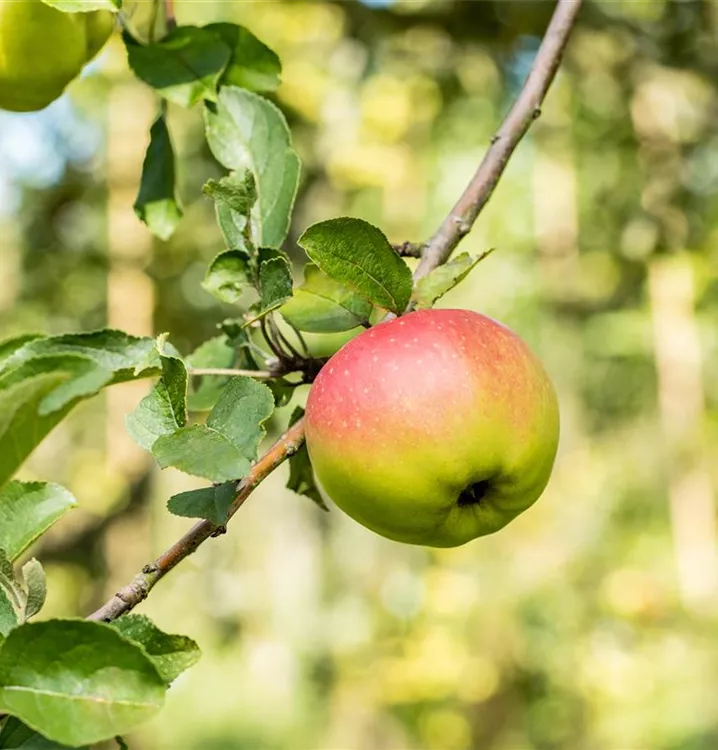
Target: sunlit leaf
[(246, 131), (184, 67), (229, 275), (275, 284), (223, 448), (41, 380), (323, 305), (77, 682), (18, 736), (357, 254), (171, 654), (212, 503), (443, 279), (252, 65), (213, 353), (164, 409), (27, 509), (9, 618), (157, 204), (35, 586)]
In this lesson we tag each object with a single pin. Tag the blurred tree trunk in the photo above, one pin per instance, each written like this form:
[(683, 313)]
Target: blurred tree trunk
[(555, 196), (130, 291), (682, 405)]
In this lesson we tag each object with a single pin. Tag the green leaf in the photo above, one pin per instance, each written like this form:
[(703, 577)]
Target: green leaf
[(211, 503), (73, 377), (77, 682), (28, 509), (275, 284), (184, 67), (301, 476), (8, 616), (444, 278), (238, 339), (228, 275), (17, 736), (234, 198), (10, 585), (164, 409), (252, 65), (157, 204), (357, 254), (41, 380), (174, 376), (9, 346), (171, 654), (201, 452), (35, 586), (322, 305), (234, 227), (245, 131), (215, 352), (224, 447), (84, 6), (282, 390), (238, 194), (113, 350), (240, 414)]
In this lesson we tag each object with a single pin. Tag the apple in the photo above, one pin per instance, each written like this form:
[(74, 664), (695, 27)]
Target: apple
[(42, 49), (434, 428)]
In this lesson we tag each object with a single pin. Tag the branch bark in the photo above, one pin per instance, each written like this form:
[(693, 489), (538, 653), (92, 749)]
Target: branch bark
[(139, 588), (525, 110), (170, 20), (435, 252)]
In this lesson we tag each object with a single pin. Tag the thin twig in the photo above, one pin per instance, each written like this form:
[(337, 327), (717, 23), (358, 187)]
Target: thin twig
[(302, 341), (524, 111), (282, 339), (170, 20), (259, 374), (271, 343), (409, 249), (436, 252), (131, 595)]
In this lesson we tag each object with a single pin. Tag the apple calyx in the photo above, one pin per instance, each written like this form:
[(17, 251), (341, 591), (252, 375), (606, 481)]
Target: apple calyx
[(474, 494)]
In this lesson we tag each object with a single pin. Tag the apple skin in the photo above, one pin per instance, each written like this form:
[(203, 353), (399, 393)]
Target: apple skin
[(434, 428), (42, 49)]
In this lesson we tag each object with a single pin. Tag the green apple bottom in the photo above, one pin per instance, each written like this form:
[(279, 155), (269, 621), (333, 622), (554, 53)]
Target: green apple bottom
[(42, 49), (434, 428)]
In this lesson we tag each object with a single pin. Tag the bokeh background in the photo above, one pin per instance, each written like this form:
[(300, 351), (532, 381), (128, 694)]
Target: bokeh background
[(590, 622)]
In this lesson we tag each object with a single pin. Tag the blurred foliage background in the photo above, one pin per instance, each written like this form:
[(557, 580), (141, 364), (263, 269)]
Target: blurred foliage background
[(590, 621)]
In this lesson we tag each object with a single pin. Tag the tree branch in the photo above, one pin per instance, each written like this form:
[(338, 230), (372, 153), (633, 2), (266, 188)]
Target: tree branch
[(525, 110), (435, 253), (409, 249), (131, 595)]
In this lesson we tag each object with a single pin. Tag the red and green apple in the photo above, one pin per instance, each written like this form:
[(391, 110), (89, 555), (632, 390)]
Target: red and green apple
[(434, 428)]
